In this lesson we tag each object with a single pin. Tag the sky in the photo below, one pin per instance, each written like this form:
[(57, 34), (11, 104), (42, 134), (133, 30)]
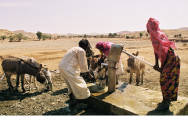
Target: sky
[(90, 16)]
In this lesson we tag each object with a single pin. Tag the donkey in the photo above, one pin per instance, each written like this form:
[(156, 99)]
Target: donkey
[(13, 65), (137, 67), (44, 70), (100, 68)]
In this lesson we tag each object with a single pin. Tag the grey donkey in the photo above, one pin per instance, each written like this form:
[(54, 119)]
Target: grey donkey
[(14, 65)]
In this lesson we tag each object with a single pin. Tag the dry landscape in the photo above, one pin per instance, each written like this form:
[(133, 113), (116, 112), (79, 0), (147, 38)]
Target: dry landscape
[(50, 52)]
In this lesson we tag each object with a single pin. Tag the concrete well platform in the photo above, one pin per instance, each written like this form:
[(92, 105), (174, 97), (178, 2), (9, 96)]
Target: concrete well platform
[(133, 100)]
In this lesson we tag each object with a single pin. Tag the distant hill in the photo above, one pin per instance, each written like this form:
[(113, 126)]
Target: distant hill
[(6, 32), (123, 32), (31, 35), (27, 34), (183, 28)]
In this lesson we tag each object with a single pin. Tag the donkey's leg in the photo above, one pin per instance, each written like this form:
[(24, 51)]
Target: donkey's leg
[(17, 81), (8, 76), (2, 77), (138, 78), (142, 77), (131, 77), (30, 82), (35, 84), (22, 82), (26, 79), (117, 79)]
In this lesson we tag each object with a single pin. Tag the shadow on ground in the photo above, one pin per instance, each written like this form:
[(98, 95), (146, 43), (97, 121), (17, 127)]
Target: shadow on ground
[(5, 95), (74, 111), (160, 112)]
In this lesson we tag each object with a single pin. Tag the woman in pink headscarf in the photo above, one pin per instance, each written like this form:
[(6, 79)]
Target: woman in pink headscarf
[(170, 63), (104, 48)]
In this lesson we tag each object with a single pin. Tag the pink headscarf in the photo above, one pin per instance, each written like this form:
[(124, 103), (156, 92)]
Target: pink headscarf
[(160, 42), (104, 47)]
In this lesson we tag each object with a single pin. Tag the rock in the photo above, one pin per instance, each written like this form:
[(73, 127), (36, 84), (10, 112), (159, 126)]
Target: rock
[(139, 101)]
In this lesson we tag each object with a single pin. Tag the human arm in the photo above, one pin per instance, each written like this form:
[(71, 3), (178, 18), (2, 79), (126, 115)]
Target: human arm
[(156, 66), (82, 60)]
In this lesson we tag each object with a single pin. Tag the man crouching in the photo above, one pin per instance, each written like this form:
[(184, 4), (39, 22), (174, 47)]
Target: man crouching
[(74, 62)]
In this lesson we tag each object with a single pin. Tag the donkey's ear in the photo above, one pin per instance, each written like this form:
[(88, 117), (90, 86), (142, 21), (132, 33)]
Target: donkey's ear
[(40, 66), (137, 53)]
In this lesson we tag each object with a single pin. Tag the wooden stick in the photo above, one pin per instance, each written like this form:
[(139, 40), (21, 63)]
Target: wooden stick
[(138, 58)]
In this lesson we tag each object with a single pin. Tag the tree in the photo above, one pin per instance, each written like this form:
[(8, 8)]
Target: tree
[(127, 37), (141, 34), (85, 36), (112, 35), (19, 36), (39, 35), (11, 38), (3, 37)]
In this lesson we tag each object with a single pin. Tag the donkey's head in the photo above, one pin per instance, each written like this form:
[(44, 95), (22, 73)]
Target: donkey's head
[(131, 60), (96, 61), (40, 77), (48, 77)]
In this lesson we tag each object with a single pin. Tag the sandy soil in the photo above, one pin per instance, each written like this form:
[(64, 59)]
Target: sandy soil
[(50, 53)]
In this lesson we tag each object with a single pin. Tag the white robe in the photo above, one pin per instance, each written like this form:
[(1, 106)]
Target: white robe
[(71, 65)]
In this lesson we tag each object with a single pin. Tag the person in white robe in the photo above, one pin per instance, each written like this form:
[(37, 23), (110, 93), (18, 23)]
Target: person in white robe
[(74, 62)]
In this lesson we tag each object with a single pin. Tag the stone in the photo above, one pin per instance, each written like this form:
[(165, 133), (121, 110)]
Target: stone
[(134, 100)]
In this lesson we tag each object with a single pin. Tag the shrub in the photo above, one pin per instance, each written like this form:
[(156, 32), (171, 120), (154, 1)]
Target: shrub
[(3, 37), (11, 38), (141, 34), (127, 37), (19, 37), (112, 35), (45, 36), (39, 35)]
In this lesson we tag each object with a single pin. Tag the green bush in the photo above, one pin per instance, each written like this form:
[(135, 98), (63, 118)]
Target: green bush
[(127, 37), (141, 34), (112, 35), (39, 35), (11, 38), (45, 36), (19, 37), (3, 37)]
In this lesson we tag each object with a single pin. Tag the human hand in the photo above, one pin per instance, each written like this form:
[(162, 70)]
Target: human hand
[(156, 67)]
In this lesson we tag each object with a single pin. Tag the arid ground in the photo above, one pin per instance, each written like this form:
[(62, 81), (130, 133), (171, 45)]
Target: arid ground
[(50, 52)]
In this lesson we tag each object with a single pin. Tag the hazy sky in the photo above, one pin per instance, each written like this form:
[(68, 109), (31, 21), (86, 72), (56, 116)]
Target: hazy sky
[(90, 16)]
